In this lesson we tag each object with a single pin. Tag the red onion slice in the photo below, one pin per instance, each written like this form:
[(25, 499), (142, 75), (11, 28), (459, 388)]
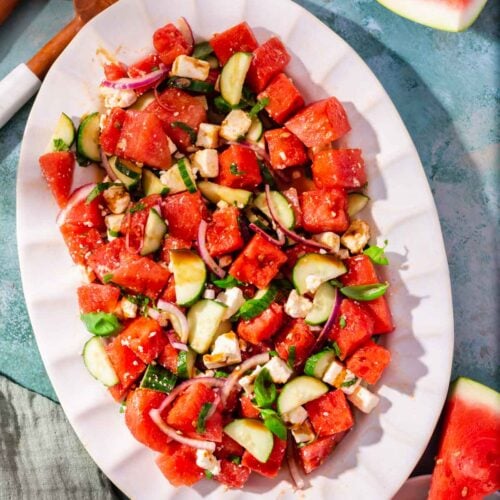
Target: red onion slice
[(138, 82), (213, 408), (172, 433), (107, 166), (291, 234), (293, 466), (238, 372), (174, 342), (205, 255), (177, 318), (78, 196), (279, 242), (184, 27)]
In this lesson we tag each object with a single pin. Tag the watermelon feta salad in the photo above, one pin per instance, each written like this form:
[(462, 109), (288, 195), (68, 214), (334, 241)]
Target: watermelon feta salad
[(230, 286)]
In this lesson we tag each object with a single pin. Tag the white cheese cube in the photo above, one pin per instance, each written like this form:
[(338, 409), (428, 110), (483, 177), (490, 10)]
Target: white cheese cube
[(248, 380), (114, 221), (297, 306), (129, 309), (208, 136), (363, 399), (207, 162), (171, 145), (333, 374), (172, 178), (233, 299), (117, 198), (350, 382), (209, 294), (303, 433), (330, 239), (279, 371), (235, 125), (222, 204), (206, 460), (357, 236), (226, 352), (313, 282), (116, 98), (190, 67), (296, 416)]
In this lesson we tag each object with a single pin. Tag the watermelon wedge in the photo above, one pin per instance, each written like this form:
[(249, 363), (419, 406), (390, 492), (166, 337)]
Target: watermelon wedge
[(468, 462), (447, 15)]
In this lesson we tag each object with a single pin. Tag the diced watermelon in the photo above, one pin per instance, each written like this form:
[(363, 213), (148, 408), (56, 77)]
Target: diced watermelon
[(369, 361), (324, 210), (110, 134), (313, 455), (344, 168), (145, 337), (142, 139), (98, 298), (357, 330), (330, 413), (178, 464), (361, 271), (115, 70), (239, 38), (175, 106), (184, 212), (263, 326), (268, 61), (259, 262), (223, 232), (295, 340), (183, 414), (295, 252), (232, 475), (168, 293), (285, 149), (238, 168), (228, 448), (107, 258), (320, 123), (468, 462), (143, 67), (81, 241), (57, 169), (168, 357), (118, 392), (127, 365), (170, 43), (143, 276), (80, 213), (284, 98), (273, 464), (173, 243), (139, 403), (248, 409)]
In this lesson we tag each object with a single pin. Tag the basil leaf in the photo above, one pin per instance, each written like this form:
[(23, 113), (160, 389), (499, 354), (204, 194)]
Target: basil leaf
[(291, 356), (220, 374), (107, 278), (253, 307), (274, 423), (233, 168), (200, 424), (137, 208), (227, 282), (208, 474), (101, 323), (349, 382), (273, 354), (184, 126), (258, 107), (235, 459), (264, 388), (266, 174), (377, 254), (59, 145), (365, 293)]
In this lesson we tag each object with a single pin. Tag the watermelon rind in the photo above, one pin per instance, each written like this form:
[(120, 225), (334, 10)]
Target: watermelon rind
[(437, 13), (475, 393)]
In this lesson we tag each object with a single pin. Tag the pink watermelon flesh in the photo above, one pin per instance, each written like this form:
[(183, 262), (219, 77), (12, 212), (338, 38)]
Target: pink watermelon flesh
[(468, 462), (447, 15)]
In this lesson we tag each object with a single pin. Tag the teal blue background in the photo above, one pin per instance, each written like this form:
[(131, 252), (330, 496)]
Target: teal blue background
[(445, 86)]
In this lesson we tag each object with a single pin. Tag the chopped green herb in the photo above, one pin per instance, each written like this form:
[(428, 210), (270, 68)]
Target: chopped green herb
[(114, 234), (235, 170), (266, 174), (141, 301), (220, 374), (291, 356), (258, 107), (208, 474), (59, 145), (200, 424), (101, 323), (183, 126), (107, 278), (235, 459), (264, 388), (342, 322), (336, 283), (123, 406), (99, 188), (377, 254), (336, 349), (137, 208), (273, 354), (227, 282), (349, 382), (253, 307), (274, 423), (365, 293)]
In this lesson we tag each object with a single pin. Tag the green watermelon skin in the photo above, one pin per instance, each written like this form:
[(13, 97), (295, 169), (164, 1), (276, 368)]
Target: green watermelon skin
[(468, 462)]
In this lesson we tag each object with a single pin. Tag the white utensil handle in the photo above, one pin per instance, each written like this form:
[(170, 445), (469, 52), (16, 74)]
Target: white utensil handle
[(15, 90)]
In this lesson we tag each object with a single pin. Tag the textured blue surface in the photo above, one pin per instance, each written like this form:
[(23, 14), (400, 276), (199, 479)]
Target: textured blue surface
[(445, 87)]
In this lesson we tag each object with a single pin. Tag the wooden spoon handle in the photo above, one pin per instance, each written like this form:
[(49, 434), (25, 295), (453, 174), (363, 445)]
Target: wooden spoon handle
[(6, 7), (43, 59)]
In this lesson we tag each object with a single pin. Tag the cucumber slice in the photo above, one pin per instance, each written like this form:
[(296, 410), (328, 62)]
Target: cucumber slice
[(158, 378), (185, 363), (126, 172), (317, 364), (87, 142), (283, 208), (257, 305), (300, 391), (215, 193), (322, 267), (187, 175), (356, 202), (323, 301), (143, 101), (97, 362), (233, 76), (190, 275), (63, 136), (151, 184), (181, 82), (253, 435), (153, 233), (256, 130), (179, 177), (204, 319)]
